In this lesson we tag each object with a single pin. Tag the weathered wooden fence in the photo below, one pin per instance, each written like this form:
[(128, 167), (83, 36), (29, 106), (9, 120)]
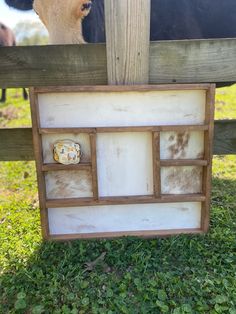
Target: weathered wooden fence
[(186, 61)]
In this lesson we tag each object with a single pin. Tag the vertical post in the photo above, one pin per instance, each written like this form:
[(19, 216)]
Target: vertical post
[(127, 41)]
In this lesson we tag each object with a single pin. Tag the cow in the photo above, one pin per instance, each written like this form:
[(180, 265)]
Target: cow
[(68, 14), (7, 38), (170, 19)]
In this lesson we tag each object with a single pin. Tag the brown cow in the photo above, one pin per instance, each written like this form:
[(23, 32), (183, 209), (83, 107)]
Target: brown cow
[(63, 19), (7, 38)]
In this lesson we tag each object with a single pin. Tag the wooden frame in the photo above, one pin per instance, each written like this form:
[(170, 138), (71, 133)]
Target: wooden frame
[(158, 163)]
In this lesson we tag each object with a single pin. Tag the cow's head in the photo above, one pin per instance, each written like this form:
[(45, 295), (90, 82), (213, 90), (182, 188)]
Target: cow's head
[(63, 19)]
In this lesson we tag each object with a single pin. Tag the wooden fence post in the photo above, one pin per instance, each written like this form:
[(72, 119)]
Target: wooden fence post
[(127, 41)]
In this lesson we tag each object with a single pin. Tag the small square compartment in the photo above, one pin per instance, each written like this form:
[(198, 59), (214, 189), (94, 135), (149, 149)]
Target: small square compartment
[(68, 184), (182, 145), (181, 180), (48, 141)]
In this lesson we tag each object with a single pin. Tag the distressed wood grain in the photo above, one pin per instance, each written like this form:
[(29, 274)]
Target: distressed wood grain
[(53, 65), (181, 179), (37, 143), (125, 200), (109, 235), (133, 217), (124, 108), (124, 164), (127, 41), (224, 137), (61, 184), (185, 61), (16, 144), (193, 61)]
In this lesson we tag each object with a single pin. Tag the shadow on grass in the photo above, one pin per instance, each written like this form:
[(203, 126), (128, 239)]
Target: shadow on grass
[(181, 274)]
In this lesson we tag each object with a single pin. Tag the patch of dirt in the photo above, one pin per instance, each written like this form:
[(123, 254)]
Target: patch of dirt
[(7, 114)]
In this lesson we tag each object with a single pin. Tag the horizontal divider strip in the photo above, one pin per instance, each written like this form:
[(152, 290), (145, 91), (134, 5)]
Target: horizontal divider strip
[(125, 200), (183, 162), (142, 234), (66, 130), (127, 129), (176, 198), (119, 88), (58, 167), (161, 128), (193, 127)]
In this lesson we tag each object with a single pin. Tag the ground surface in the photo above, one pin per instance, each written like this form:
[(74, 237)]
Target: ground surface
[(182, 274)]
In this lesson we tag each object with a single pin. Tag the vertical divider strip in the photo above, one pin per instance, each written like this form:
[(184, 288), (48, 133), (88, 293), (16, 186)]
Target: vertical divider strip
[(93, 137), (38, 151), (156, 164)]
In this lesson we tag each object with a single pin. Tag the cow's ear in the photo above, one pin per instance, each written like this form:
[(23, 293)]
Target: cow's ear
[(83, 8)]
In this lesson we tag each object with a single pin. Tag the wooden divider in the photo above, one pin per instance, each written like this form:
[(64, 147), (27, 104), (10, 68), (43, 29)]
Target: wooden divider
[(156, 164), (93, 146)]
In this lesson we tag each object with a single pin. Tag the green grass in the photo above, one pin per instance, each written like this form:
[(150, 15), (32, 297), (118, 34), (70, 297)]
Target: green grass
[(15, 112), (226, 103), (180, 274)]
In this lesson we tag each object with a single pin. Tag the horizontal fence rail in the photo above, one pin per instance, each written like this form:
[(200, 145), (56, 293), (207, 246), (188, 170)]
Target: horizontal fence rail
[(16, 144), (184, 61)]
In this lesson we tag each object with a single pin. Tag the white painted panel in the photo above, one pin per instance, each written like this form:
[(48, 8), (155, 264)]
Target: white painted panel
[(68, 184), (100, 109), (181, 180), (124, 163), (182, 145), (49, 140), (124, 218)]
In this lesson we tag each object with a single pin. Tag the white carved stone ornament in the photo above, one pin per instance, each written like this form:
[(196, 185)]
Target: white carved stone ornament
[(67, 152)]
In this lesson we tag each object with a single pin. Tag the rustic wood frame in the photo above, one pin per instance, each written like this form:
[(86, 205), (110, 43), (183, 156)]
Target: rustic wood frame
[(157, 197)]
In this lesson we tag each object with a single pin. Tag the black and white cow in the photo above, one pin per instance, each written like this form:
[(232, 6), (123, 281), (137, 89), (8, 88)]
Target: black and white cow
[(170, 19)]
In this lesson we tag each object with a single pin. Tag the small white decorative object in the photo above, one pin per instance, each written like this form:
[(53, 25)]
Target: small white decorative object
[(67, 152)]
